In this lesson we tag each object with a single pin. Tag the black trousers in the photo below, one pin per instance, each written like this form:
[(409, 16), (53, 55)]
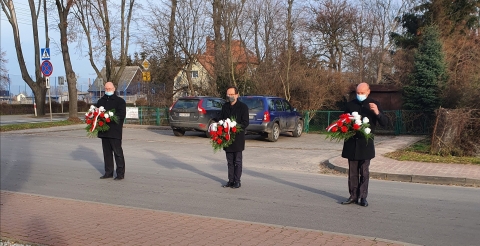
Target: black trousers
[(113, 148), (234, 163), (358, 177)]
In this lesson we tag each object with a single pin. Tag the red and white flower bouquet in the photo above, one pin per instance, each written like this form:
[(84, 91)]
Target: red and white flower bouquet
[(222, 134), (97, 120), (347, 126)]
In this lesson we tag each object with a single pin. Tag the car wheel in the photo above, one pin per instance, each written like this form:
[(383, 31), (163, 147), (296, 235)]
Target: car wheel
[(178, 132), (298, 129), (273, 136)]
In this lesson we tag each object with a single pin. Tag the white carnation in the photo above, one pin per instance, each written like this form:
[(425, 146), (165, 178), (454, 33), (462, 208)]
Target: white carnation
[(233, 124), (368, 130), (213, 127), (358, 122), (110, 113), (358, 117), (365, 120), (355, 114), (102, 109), (107, 116), (220, 122), (92, 107)]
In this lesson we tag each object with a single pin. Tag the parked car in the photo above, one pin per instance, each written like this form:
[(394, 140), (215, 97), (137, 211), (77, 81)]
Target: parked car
[(194, 114), (270, 116)]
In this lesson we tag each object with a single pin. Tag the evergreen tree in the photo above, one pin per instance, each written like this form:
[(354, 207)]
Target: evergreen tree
[(429, 74)]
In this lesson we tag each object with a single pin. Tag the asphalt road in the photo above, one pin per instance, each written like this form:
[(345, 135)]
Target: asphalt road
[(281, 184)]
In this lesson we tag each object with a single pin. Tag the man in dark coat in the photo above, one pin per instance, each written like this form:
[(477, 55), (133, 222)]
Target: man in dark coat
[(357, 149), (112, 139), (239, 111)]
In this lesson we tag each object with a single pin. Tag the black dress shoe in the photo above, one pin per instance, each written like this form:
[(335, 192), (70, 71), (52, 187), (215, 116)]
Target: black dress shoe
[(236, 185), (350, 201), (228, 184), (363, 202), (106, 177), (118, 178)]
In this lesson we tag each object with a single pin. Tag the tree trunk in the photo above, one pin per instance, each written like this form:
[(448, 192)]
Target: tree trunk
[(447, 132), (40, 96), (71, 78)]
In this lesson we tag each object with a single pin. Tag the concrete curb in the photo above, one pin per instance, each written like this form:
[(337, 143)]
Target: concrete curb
[(413, 178)]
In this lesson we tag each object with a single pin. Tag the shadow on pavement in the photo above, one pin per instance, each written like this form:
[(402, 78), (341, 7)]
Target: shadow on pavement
[(295, 185), (172, 163), (83, 153)]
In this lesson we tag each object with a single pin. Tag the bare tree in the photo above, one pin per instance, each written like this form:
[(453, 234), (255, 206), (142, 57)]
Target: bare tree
[(38, 84), (333, 20), (63, 11), (94, 18), (3, 71)]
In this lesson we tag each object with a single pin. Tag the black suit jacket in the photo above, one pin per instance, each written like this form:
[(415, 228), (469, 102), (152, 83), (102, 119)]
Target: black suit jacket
[(357, 148), (239, 111), (117, 103)]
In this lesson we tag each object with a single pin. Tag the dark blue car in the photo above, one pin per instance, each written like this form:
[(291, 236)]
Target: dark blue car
[(270, 116)]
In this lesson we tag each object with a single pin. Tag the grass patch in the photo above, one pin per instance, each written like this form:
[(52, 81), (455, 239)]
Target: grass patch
[(419, 151), (24, 126)]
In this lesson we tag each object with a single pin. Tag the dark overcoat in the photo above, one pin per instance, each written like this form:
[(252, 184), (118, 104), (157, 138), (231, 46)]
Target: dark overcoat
[(239, 111), (357, 148), (117, 103)]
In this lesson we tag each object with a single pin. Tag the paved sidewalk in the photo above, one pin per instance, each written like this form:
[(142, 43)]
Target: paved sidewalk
[(409, 171), (57, 221)]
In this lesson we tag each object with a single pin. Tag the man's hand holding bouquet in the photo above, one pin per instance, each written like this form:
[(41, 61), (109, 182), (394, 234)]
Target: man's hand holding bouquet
[(97, 120), (347, 126), (222, 134)]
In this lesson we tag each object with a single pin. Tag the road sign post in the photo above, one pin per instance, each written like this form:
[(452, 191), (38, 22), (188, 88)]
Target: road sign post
[(47, 85)]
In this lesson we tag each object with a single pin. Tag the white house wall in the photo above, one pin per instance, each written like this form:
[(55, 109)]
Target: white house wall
[(202, 81)]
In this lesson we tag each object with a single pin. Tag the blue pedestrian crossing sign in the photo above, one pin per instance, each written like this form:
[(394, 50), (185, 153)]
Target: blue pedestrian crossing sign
[(45, 54)]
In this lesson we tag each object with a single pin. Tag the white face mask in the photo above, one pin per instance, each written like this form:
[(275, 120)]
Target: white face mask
[(361, 98), (109, 93)]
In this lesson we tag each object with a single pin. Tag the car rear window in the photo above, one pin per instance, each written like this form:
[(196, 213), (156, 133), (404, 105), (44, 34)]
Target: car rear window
[(254, 104), (186, 104)]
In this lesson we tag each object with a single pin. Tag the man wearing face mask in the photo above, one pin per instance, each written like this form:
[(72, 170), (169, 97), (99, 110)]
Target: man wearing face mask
[(357, 149), (239, 111), (112, 139)]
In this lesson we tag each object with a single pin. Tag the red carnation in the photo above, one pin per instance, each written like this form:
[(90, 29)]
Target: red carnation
[(220, 128), (339, 123), (225, 130), (89, 122), (100, 123), (102, 115), (108, 120), (335, 129), (219, 132), (234, 129), (227, 137), (356, 126), (344, 129), (95, 113), (347, 120), (219, 141)]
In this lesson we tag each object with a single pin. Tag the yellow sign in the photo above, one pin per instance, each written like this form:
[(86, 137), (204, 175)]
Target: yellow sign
[(145, 64), (146, 76)]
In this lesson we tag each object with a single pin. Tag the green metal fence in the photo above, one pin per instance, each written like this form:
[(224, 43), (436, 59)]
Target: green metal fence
[(401, 122), (150, 116)]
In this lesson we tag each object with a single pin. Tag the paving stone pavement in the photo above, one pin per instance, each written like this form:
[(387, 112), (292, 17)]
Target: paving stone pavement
[(57, 221)]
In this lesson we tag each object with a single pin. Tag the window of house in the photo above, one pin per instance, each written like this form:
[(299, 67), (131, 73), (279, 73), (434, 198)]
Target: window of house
[(194, 74)]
